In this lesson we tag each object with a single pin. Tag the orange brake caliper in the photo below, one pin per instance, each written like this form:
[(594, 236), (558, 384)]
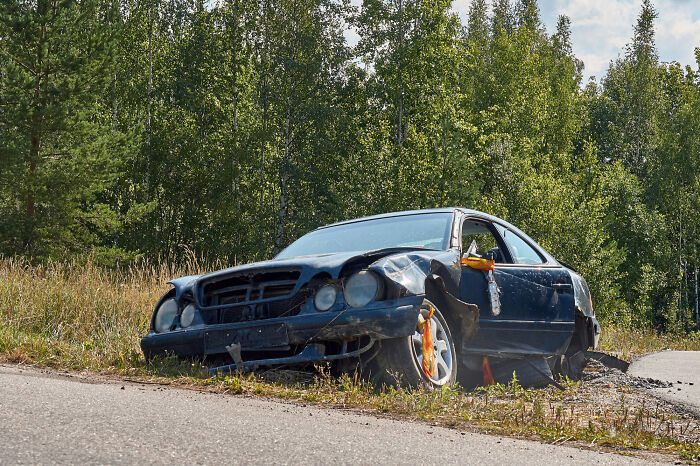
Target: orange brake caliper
[(428, 350)]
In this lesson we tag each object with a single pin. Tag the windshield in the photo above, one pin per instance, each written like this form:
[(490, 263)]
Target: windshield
[(429, 231)]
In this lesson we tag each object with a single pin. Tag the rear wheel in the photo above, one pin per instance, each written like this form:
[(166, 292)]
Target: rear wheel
[(572, 363), (400, 360)]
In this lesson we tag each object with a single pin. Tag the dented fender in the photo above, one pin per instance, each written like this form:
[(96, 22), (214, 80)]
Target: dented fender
[(410, 270), (435, 274)]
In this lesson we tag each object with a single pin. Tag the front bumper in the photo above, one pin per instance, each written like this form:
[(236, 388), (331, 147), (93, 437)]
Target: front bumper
[(380, 320)]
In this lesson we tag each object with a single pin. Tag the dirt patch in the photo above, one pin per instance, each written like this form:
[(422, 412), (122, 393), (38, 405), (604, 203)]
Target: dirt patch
[(597, 373)]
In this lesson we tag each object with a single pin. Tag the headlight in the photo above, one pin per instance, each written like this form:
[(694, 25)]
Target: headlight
[(187, 315), (361, 288), (165, 316), (325, 297)]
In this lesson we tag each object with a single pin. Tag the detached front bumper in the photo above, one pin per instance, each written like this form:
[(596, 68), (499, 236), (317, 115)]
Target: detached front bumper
[(380, 320)]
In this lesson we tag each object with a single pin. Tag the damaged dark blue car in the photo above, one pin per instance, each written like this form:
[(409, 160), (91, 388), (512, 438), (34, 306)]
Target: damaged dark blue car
[(430, 296)]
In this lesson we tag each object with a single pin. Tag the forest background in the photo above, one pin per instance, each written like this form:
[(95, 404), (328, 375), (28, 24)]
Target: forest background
[(136, 130)]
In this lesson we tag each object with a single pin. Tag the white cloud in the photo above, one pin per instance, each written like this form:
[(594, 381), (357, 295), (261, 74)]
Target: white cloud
[(600, 29), (678, 31)]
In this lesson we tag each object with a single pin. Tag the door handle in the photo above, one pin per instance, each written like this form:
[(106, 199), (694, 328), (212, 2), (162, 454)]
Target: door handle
[(563, 287)]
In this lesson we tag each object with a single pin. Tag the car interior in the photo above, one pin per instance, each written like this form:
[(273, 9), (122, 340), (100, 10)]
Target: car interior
[(478, 240)]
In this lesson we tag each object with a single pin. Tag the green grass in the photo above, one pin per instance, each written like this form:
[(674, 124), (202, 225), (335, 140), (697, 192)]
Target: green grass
[(78, 316)]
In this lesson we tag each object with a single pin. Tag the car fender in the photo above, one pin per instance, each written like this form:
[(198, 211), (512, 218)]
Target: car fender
[(435, 274), (411, 269), (183, 284)]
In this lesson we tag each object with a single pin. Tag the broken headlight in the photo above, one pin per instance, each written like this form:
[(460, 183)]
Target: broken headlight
[(325, 297), (165, 315), (361, 288)]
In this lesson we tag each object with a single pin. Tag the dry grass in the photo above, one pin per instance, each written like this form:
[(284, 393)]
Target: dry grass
[(629, 343), (81, 317)]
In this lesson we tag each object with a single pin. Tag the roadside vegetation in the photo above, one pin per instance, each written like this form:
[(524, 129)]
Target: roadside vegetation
[(78, 316), (628, 343), (136, 129)]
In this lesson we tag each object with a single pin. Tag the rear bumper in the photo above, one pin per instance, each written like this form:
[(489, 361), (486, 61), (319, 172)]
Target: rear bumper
[(381, 320)]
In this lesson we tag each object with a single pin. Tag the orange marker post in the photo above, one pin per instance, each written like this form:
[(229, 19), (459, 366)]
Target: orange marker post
[(428, 350), (488, 376)]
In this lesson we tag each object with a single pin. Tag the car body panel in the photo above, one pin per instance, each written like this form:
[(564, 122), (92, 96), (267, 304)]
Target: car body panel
[(534, 318)]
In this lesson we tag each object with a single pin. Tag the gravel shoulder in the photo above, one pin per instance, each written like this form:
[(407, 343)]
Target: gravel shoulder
[(46, 417)]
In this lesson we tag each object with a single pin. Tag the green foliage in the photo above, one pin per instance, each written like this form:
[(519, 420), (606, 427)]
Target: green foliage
[(59, 152), (142, 128)]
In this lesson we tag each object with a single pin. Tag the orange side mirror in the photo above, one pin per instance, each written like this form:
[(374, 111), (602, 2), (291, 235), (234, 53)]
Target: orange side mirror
[(478, 263)]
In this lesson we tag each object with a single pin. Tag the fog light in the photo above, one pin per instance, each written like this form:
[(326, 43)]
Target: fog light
[(325, 297)]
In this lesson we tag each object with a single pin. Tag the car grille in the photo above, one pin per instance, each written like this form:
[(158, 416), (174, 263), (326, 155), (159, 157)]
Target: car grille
[(252, 295)]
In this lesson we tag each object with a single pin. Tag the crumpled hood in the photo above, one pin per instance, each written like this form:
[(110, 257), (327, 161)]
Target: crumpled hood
[(320, 262), (407, 267)]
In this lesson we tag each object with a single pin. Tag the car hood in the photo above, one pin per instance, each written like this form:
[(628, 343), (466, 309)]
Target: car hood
[(407, 267)]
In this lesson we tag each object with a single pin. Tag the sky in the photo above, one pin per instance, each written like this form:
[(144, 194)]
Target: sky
[(601, 28)]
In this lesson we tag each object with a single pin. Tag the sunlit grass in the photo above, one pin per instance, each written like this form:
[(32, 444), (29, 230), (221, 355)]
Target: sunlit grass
[(628, 343), (78, 316)]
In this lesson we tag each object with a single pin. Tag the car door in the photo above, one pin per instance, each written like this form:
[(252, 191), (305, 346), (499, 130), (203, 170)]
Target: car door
[(535, 293)]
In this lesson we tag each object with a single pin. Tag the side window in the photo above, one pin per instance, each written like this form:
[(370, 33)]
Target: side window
[(477, 239), (522, 252)]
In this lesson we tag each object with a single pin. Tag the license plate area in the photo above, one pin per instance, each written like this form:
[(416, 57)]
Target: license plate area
[(261, 337)]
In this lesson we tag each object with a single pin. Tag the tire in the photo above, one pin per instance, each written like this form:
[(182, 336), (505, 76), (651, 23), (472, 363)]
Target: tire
[(399, 360), (572, 363)]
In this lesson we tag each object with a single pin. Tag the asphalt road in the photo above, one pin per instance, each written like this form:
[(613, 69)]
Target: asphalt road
[(680, 368), (48, 418)]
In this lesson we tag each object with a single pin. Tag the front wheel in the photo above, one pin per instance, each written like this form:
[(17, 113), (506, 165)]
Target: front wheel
[(401, 360)]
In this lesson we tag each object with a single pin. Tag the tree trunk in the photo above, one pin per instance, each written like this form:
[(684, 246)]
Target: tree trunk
[(35, 139), (284, 178), (399, 130), (697, 316), (680, 263), (264, 59), (148, 97)]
